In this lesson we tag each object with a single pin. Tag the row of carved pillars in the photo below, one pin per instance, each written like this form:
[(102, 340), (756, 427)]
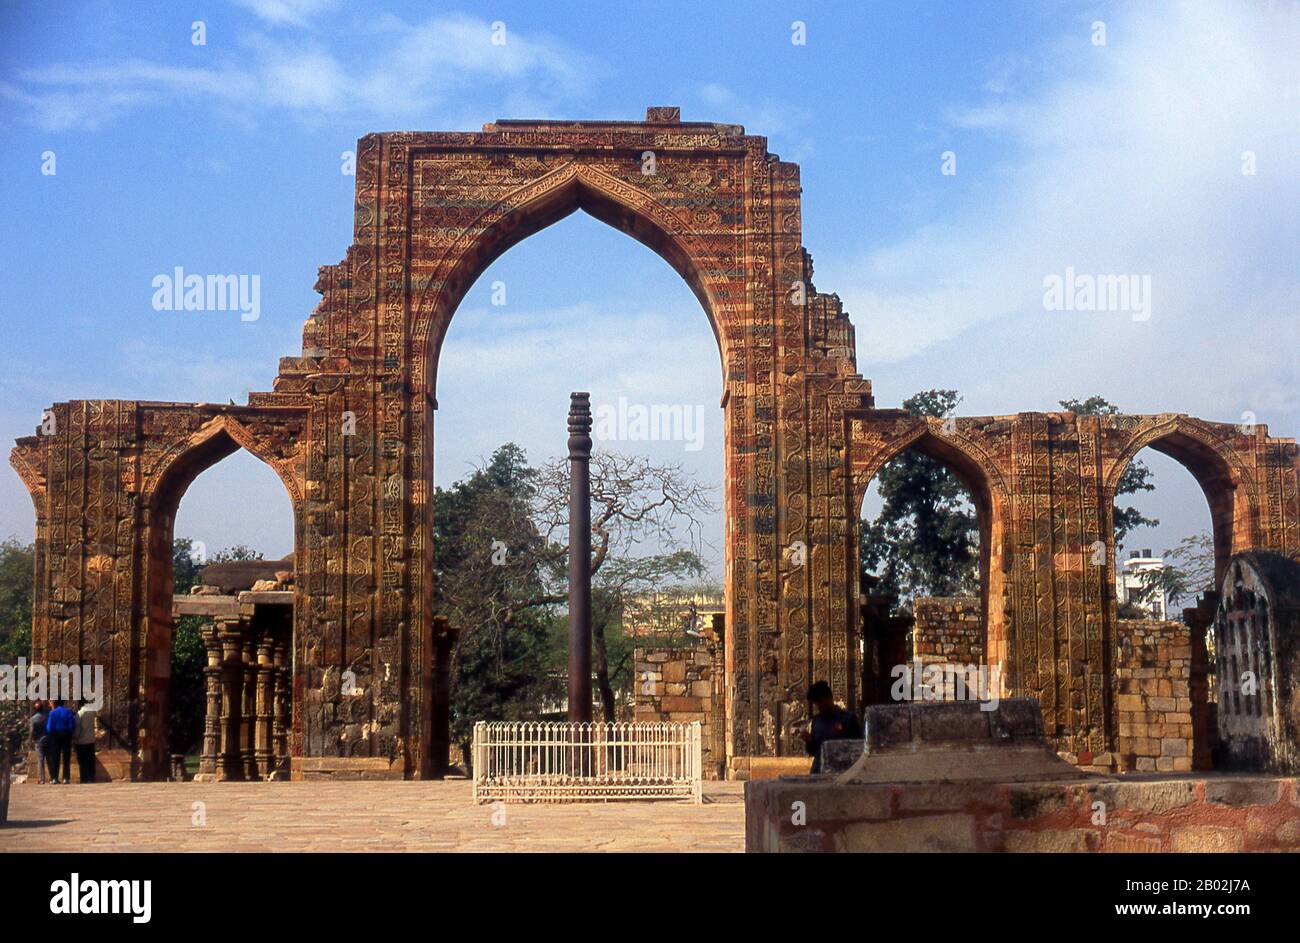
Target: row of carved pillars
[(249, 701)]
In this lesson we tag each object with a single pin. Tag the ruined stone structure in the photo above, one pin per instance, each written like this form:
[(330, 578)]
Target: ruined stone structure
[(1153, 697), (1257, 635), (948, 630), (1044, 486), (683, 685), (247, 678), (348, 427)]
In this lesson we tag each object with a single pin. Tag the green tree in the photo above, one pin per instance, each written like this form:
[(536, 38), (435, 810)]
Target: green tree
[(1136, 477), (1188, 571), (16, 573), (634, 502), (925, 541), (501, 565), (489, 561)]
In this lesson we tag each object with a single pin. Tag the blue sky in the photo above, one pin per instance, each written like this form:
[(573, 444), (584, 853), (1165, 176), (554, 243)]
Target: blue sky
[(1125, 157)]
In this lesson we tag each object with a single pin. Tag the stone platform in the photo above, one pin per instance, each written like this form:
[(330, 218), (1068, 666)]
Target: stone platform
[(1149, 814), (967, 776)]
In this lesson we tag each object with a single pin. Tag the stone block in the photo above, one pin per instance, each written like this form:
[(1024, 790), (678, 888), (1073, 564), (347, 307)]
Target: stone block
[(933, 797), (769, 767), (803, 841), (1202, 838), (1130, 702), (1288, 835), (946, 722), (1049, 840), (1131, 844), (1242, 792), (1174, 746), (934, 833), (839, 755), (1157, 797), (826, 804)]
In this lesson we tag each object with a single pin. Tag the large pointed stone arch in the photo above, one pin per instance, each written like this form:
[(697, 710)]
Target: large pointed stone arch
[(883, 435), (533, 207), (170, 476), (433, 211), (1214, 455)]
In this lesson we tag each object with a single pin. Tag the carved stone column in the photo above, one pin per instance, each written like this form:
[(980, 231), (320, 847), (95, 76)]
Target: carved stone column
[(265, 687), (249, 656), (283, 702), (212, 712), (232, 697)]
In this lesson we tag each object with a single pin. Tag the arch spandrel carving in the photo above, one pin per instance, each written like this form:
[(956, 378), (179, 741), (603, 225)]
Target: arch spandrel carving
[(537, 204), (276, 439)]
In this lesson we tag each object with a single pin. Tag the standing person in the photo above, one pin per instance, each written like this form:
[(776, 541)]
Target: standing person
[(41, 713), (60, 726), (830, 722), (84, 740)]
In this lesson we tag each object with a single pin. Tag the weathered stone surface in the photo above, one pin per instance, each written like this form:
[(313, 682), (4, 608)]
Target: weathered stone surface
[(839, 755), (1009, 462), (1257, 626), (1243, 792), (939, 833), (1050, 840), (1156, 816), (1202, 838), (1146, 797), (953, 741)]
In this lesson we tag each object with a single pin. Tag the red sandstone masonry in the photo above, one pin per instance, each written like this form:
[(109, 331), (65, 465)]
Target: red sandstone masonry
[(1222, 813), (1153, 696), (948, 630), (680, 685)]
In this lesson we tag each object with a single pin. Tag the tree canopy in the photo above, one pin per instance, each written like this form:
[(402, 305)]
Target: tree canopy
[(501, 554), (925, 540)]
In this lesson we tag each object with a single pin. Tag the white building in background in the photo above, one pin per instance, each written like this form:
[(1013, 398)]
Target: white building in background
[(1129, 583)]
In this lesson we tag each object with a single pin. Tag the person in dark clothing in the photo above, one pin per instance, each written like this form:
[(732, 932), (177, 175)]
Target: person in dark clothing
[(41, 713), (83, 741), (829, 722), (60, 726)]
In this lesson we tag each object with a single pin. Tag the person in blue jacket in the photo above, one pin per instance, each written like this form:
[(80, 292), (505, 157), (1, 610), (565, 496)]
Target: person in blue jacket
[(60, 726)]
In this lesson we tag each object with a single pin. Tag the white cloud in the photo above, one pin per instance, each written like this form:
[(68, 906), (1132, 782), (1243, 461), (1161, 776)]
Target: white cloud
[(505, 374), (715, 94), (425, 66), (287, 12), (1128, 163)]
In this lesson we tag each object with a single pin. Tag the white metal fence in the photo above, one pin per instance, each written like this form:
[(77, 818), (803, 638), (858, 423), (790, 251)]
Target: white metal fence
[(559, 762)]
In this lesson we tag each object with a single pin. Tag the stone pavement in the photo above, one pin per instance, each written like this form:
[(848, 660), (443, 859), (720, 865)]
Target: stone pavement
[(354, 816)]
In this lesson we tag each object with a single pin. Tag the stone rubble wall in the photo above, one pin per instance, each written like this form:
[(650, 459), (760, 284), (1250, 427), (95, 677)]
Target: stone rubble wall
[(677, 685), (948, 630), (1153, 696)]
